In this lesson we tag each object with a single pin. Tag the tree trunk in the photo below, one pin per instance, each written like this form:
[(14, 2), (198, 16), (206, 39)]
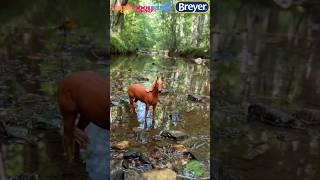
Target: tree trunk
[(173, 44)]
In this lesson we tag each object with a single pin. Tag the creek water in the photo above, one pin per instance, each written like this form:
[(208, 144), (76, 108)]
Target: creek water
[(45, 155), (181, 77), (261, 59), (35, 55)]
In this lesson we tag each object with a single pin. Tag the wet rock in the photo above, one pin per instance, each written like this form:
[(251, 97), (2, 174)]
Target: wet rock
[(121, 145), (114, 103), (270, 115), (124, 99), (133, 154), (136, 163), (141, 136), (157, 137), (174, 134), (126, 164), (200, 152), (166, 174), (195, 98), (117, 174), (130, 174), (189, 142), (20, 133), (144, 159), (175, 116), (169, 157), (179, 148)]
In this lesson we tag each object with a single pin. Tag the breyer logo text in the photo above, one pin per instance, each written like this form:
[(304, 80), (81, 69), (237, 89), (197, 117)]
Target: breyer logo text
[(142, 9), (192, 7)]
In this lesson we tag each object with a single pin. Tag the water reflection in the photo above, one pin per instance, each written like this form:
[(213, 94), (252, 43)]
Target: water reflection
[(34, 57), (141, 110), (266, 54)]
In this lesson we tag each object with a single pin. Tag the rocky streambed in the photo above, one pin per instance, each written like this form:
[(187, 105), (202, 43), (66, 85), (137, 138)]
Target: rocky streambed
[(179, 145)]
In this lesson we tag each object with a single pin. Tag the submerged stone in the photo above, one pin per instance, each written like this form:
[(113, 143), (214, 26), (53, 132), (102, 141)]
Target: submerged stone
[(174, 134), (175, 116), (121, 145), (195, 98), (162, 174), (133, 154), (130, 174), (117, 174), (270, 115)]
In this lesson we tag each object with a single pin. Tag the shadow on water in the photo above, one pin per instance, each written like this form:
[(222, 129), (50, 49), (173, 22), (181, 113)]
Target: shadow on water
[(265, 54), (174, 111), (34, 56)]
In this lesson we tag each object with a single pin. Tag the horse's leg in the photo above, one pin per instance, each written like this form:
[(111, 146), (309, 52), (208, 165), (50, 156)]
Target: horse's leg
[(131, 104), (153, 114), (69, 124), (145, 116), (81, 137)]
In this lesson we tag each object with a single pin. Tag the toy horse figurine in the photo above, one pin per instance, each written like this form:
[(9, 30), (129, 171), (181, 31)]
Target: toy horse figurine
[(86, 94), (149, 96)]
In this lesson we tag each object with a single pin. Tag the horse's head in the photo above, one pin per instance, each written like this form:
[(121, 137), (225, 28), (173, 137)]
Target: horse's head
[(158, 84)]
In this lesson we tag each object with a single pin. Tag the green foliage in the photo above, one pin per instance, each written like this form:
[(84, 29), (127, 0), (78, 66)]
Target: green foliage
[(117, 45), (195, 167), (194, 52), (160, 30)]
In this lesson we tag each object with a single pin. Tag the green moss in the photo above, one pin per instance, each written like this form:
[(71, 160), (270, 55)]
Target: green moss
[(195, 167)]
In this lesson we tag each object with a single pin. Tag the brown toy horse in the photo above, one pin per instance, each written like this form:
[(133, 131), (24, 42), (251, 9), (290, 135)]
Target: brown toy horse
[(85, 93), (149, 96)]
